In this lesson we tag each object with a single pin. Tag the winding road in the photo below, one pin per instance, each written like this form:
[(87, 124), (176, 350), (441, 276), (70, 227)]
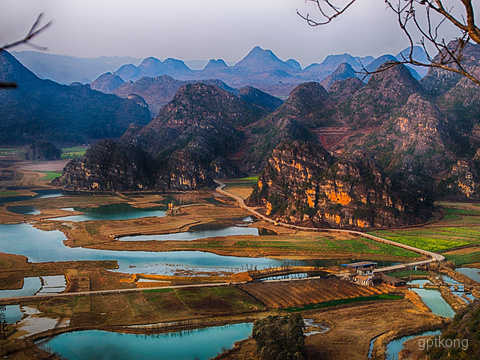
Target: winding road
[(434, 257)]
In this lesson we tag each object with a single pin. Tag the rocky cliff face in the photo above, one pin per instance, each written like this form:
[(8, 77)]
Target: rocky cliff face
[(291, 121), (110, 166), (303, 183)]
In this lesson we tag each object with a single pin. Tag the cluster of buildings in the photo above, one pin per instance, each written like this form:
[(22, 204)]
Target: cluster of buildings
[(365, 273)]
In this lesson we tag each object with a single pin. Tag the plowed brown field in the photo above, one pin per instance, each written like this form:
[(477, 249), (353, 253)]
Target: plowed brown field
[(278, 295)]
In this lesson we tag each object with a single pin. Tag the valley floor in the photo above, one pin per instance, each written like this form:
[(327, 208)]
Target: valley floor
[(351, 326)]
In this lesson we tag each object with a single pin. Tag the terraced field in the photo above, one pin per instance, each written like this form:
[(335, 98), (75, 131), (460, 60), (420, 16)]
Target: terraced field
[(280, 295)]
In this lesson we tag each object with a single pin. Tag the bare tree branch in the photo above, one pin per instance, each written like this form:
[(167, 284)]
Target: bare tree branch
[(408, 12), (35, 30)]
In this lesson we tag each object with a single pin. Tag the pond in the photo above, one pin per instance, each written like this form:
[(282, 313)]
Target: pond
[(23, 210), (44, 246), (395, 346), (112, 212), (37, 285), (195, 234), (40, 194), (433, 299), (183, 345), (13, 314), (472, 273), (30, 286)]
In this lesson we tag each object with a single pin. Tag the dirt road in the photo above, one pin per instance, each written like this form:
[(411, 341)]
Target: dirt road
[(433, 256)]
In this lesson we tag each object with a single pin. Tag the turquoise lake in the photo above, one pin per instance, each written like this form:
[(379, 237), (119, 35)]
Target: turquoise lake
[(44, 246), (433, 299), (199, 344), (113, 212)]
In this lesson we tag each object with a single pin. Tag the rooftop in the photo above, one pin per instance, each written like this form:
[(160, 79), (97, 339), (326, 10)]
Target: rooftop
[(360, 264)]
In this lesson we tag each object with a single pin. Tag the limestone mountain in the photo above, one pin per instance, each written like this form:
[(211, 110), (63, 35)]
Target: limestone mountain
[(260, 60), (257, 97), (110, 166), (44, 110), (152, 67), (43, 151), (342, 72), (158, 91), (303, 183), (106, 82), (291, 121), (191, 141), (213, 65)]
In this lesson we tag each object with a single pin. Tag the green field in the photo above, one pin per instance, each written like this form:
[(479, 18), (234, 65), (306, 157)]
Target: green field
[(73, 152), (320, 244), (462, 259), (458, 228), (407, 273), (51, 175), (8, 193), (310, 243), (243, 182), (156, 290)]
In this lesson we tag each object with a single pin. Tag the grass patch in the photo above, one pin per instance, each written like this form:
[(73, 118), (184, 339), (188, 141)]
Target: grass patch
[(407, 273), (73, 152), (224, 299), (319, 244), (51, 175), (344, 302), (459, 211), (12, 151), (427, 239), (8, 193), (249, 181), (157, 290), (462, 259), (213, 201)]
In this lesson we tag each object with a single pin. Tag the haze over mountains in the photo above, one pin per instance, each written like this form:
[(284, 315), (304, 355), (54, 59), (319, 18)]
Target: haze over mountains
[(45, 110), (259, 68)]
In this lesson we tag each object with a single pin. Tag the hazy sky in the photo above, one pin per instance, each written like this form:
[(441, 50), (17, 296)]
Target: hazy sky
[(201, 29)]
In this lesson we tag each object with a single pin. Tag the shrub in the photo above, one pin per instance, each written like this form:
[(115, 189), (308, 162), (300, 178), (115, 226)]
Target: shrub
[(280, 338)]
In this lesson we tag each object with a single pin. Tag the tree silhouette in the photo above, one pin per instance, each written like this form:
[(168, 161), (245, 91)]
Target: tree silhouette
[(424, 17), (35, 30)]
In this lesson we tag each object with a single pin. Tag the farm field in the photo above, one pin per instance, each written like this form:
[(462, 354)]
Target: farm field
[(456, 235), (282, 295)]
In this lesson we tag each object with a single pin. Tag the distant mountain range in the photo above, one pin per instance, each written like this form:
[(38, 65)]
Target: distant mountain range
[(259, 68), (45, 110)]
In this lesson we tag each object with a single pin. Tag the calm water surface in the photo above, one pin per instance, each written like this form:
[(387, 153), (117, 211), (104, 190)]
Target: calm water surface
[(472, 273), (433, 299), (200, 344), (44, 246), (113, 212), (23, 210), (41, 194), (395, 346), (195, 235)]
